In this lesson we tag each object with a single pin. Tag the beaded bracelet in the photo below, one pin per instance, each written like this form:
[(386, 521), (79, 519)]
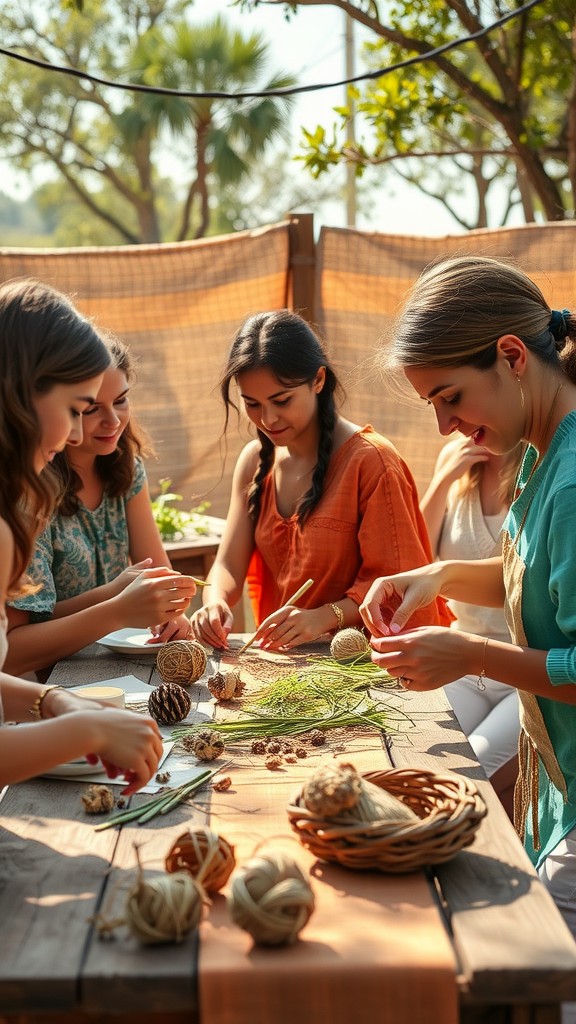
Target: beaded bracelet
[(36, 709), (339, 616)]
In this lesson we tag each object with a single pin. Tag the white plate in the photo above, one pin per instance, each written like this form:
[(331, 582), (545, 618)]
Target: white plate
[(79, 767), (130, 641)]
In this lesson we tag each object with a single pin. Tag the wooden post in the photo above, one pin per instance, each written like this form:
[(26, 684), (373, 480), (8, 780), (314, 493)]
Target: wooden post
[(302, 266)]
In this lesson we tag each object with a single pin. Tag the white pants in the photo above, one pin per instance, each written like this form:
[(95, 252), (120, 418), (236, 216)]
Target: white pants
[(489, 718), (558, 875)]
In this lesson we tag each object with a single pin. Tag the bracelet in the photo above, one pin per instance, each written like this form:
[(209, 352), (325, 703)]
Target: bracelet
[(36, 709), (480, 681), (339, 616)]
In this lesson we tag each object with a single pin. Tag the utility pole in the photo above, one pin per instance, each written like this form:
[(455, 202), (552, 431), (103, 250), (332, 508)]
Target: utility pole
[(350, 191)]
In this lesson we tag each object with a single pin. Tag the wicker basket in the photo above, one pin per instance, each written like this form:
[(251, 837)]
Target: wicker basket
[(449, 806)]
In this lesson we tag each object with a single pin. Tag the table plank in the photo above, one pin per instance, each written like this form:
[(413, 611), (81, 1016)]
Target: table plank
[(510, 938)]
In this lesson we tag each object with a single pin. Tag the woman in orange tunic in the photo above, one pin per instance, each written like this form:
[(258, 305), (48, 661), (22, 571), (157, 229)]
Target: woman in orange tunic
[(315, 496)]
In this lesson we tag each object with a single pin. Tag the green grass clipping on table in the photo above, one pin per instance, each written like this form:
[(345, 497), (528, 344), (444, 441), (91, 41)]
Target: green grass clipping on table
[(325, 694)]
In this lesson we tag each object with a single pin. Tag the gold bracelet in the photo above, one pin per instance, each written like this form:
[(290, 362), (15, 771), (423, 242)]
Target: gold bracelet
[(480, 681), (339, 616), (36, 709)]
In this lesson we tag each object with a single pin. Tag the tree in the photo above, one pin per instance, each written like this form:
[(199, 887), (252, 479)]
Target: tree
[(116, 148), (502, 104)]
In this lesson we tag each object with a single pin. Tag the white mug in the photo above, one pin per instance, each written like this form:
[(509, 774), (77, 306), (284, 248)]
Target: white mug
[(112, 695)]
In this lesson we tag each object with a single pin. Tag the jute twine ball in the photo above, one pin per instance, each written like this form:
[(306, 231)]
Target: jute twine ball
[(349, 643), (169, 703), (181, 661), (208, 857), (271, 899), (164, 909)]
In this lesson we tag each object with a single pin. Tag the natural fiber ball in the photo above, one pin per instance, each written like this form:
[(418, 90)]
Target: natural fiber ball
[(206, 744), (208, 857), (225, 685), (97, 800), (349, 643), (169, 703), (164, 909), (271, 899), (181, 661), (339, 792)]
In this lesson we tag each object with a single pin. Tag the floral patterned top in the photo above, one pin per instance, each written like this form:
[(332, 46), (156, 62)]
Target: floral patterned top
[(77, 553), (3, 650)]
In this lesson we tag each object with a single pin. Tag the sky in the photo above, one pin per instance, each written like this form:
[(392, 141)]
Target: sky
[(312, 47)]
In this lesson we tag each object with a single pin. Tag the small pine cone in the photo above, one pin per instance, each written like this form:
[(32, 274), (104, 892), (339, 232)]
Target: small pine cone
[(287, 747), (169, 703), (225, 685), (258, 747), (317, 738), (97, 799), (301, 752), (274, 747), (207, 745), (272, 763), (291, 759), (222, 784)]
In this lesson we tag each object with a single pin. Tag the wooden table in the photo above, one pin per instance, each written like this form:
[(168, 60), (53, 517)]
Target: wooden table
[(194, 555), (515, 961)]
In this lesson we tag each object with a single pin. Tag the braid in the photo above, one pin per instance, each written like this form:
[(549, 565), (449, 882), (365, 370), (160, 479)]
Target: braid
[(265, 464), (327, 419)]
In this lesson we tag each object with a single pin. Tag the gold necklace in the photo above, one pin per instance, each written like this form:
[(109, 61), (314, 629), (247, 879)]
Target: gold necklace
[(537, 462)]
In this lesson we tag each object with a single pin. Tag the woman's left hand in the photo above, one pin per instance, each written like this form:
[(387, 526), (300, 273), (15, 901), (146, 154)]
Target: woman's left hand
[(428, 657), (174, 629), (289, 627)]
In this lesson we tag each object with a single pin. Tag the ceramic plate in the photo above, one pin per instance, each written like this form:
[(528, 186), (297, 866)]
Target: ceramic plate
[(130, 641), (79, 767)]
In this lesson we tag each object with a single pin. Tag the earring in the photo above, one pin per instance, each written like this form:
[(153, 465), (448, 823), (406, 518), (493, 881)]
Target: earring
[(521, 391)]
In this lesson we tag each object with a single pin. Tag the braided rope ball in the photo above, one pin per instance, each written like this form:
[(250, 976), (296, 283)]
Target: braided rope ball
[(169, 703), (349, 643), (164, 909), (181, 661), (271, 899), (208, 857)]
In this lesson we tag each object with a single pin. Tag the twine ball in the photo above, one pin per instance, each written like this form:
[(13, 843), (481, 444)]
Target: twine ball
[(181, 661), (349, 643), (271, 899), (208, 857), (169, 703), (164, 909)]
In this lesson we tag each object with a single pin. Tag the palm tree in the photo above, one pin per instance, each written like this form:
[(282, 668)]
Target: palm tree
[(231, 135)]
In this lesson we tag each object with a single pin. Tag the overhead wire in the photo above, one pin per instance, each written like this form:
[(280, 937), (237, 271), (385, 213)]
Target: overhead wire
[(280, 91)]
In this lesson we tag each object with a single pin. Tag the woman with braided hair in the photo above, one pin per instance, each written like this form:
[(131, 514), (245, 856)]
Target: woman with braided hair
[(314, 496)]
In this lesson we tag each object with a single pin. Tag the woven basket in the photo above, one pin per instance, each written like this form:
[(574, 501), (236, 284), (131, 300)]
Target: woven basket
[(449, 806)]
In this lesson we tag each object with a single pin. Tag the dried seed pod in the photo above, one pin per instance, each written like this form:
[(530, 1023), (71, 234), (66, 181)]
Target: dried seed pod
[(181, 661), (338, 791), (258, 747), (349, 643), (206, 745), (317, 738), (97, 800), (169, 703), (225, 684)]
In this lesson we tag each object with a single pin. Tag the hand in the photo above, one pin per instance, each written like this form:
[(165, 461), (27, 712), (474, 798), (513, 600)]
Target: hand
[(428, 657), (399, 596), (458, 456), (174, 629), (126, 744), (212, 623), (155, 595), (289, 627), (128, 574)]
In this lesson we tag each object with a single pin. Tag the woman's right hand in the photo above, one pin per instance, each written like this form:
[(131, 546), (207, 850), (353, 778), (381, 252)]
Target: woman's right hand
[(127, 744), (458, 456), (392, 600), (212, 623), (155, 595)]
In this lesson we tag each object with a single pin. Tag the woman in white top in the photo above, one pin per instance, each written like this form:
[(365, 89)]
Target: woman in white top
[(464, 508)]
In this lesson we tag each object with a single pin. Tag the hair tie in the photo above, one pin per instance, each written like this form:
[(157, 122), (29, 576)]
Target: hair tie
[(559, 323)]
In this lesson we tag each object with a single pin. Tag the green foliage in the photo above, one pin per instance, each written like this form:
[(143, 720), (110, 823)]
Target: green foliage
[(109, 146), (174, 523)]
